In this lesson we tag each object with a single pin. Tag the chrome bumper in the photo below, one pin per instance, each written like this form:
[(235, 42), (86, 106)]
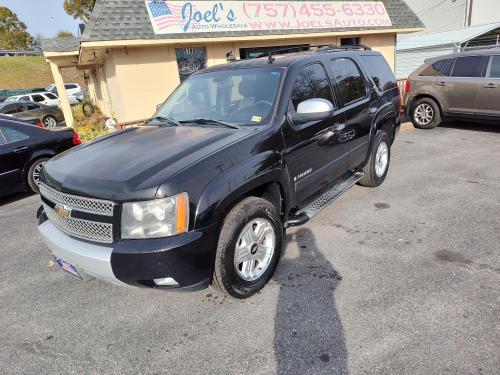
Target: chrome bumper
[(91, 261)]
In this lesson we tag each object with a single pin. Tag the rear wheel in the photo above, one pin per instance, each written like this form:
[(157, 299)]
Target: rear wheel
[(249, 248), (34, 174), (378, 165), (425, 114), (50, 121)]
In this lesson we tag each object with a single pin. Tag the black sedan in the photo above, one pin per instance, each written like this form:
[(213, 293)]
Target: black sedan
[(50, 115), (24, 149)]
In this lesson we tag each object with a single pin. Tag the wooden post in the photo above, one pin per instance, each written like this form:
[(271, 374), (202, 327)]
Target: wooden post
[(63, 96)]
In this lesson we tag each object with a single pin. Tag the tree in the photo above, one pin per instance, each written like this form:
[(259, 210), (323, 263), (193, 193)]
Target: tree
[(79, 8), (13, 34), (64, 34)]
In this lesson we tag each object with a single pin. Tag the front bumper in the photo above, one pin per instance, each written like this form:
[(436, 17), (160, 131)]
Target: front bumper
[(187, 258)]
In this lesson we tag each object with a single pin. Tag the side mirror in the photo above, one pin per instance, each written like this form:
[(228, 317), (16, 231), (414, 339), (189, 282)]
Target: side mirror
[(312, 110)]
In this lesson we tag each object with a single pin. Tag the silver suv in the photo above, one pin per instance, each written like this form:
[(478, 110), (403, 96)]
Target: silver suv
[(460, 86)]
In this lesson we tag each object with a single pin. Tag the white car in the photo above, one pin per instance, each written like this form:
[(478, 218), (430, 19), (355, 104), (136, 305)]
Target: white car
[(46, 98), (71, 90)]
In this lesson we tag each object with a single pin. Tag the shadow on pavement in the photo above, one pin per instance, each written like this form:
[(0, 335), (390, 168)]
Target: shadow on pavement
[(475, 126), (13, 198), (308, 337)]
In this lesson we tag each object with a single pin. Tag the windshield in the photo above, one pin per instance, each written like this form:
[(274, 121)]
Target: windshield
[(234, 96)]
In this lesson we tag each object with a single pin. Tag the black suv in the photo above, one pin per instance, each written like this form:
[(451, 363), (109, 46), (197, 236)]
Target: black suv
[(203, 191)]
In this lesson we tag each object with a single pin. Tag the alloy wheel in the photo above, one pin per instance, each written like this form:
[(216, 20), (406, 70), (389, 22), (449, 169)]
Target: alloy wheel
[(423, 114), (254, 249), (381, 159)]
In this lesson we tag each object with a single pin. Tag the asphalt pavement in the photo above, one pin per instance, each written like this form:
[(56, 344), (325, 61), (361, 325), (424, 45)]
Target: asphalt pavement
[(400, 279)]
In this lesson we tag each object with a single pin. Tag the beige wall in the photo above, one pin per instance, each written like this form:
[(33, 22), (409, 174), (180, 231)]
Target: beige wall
[(134, 80)]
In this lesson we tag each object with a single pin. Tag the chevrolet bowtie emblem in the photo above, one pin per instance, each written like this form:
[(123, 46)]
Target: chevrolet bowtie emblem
[(62, 211)]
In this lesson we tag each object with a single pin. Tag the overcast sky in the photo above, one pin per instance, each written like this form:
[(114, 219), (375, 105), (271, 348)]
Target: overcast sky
[(46, 17)]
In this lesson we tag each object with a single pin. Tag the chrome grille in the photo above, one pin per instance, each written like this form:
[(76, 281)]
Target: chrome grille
[(87, 230), (90, 205)]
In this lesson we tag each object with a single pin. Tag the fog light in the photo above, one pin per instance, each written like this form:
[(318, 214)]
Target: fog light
[(166, 281)]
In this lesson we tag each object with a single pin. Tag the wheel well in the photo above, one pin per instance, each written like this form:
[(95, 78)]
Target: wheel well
[(272, 191), (389, 127), (423, 96)]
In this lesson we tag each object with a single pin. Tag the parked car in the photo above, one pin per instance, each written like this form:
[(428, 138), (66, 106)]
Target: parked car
[(3, 95), (24, 149), (46, 98), (203, 191), (72, 89), (50, 115), (29, 120), (463, 86)]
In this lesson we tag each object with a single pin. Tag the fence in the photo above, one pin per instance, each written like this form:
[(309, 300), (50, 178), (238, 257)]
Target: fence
[(9, 52)]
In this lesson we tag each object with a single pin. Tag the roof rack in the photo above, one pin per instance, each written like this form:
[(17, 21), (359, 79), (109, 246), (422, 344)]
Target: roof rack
[(307, 47)]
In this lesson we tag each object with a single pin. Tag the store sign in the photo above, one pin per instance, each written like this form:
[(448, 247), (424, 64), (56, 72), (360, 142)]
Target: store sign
[(189, 60), (179, 17)]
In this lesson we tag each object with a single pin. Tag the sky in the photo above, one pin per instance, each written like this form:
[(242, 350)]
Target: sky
[(44, 17)]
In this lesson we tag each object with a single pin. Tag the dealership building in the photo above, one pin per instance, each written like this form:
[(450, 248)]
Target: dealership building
[(134, 53)]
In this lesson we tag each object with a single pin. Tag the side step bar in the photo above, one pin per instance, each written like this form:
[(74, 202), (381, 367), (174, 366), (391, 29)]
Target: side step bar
[(316, 202)]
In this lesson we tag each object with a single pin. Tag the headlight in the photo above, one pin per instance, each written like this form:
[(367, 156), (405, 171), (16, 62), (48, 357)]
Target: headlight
[(156, 218)]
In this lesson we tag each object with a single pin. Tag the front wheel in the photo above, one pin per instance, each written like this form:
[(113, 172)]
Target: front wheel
[(249, 248), (378, 165)]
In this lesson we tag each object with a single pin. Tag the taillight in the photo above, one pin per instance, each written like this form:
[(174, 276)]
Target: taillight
[(76, 139), (39, 123), (400, 104), (407, 86)]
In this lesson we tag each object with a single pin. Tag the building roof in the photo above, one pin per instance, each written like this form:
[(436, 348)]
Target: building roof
[(452, 37), (61, 44), (128, 19)]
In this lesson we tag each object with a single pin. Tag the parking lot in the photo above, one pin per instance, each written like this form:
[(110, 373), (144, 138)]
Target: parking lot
[(404, 278)]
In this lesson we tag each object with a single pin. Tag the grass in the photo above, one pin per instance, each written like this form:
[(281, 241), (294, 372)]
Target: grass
[(24, 72), (89, 128)]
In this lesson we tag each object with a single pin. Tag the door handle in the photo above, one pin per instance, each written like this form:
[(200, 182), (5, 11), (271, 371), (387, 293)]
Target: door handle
[(20, 150), (440, 83), (490, 86), (330, 134)]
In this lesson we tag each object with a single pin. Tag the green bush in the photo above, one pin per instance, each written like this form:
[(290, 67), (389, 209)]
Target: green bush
[(88, 133)]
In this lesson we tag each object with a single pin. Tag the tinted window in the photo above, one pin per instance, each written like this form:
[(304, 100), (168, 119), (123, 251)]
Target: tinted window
[(31, 106), (9, 109), (470, 66), (440, 68), (380, 72), (38, 98), (312, 82), (2, 139), (350, 81), (24, 98), (12, 135), (70, 86), (495, 67), (50, 96)]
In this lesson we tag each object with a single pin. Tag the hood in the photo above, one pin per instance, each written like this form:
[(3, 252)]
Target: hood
[(131, 164)]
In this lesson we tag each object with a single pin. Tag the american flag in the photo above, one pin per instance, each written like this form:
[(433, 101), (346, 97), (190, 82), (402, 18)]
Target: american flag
[(166, 15)]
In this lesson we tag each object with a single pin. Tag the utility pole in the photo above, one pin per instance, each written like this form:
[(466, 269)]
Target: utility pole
[(468, 10)]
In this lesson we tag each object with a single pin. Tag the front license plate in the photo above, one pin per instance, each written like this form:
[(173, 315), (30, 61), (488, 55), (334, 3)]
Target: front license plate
[(68, 267)]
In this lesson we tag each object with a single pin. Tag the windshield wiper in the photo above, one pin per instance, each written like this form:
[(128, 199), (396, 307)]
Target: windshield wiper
[(209, 121), (169, 120)]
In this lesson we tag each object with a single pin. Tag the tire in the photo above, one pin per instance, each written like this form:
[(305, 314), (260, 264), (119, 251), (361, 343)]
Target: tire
[(425, 114), (87, 109), (252, 216), (49, 121), (34, 174), (378, 165)]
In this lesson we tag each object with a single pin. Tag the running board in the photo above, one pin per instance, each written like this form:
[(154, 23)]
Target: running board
[(316, 202)]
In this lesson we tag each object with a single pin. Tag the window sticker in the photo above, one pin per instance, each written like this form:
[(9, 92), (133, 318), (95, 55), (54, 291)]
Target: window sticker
[(256, 118)]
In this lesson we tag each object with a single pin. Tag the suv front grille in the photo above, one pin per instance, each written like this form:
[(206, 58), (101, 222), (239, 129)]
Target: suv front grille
[(85, 229), (90, 205)]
